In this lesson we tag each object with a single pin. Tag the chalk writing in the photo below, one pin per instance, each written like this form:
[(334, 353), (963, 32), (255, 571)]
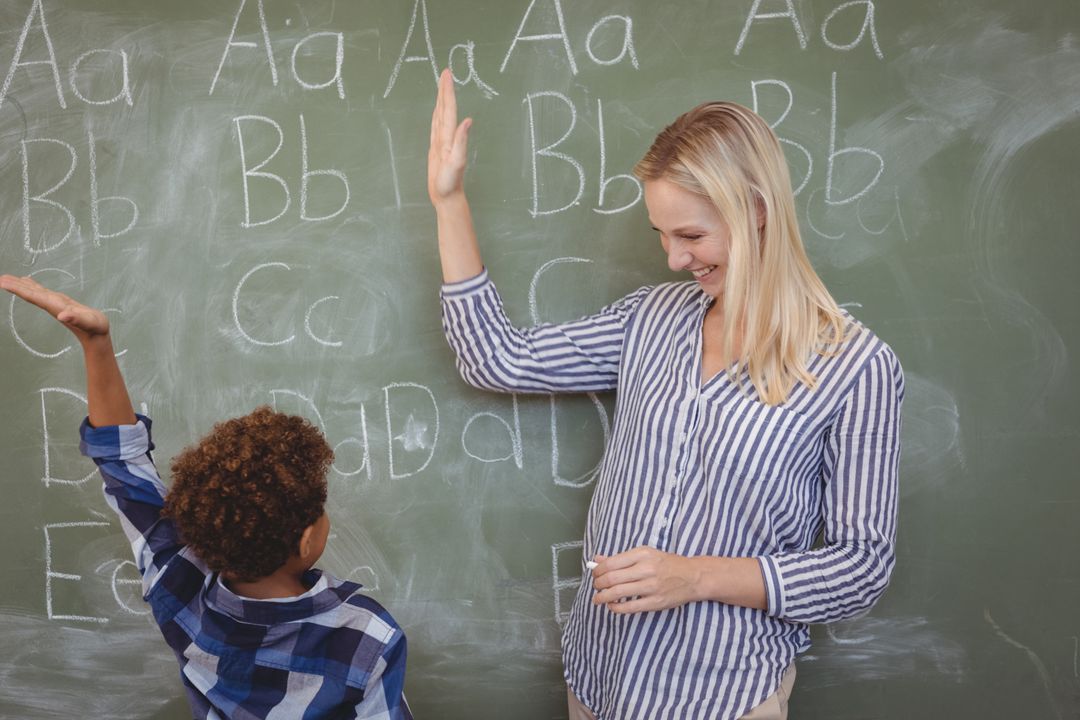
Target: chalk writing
[(47, 477), (43, 197), (96, 201), (513, 432), (306, 175), (357, 574), (834, 153), (16, 62), (867, 24), (361, 441), (115, 582), (470, 63), (240, 328), (339, 58), (232, 42), (393, 167), (897, 217), (125, 84), (236, 303), (754, 15), (414, 436), (307, 323), (419, 10), (1035, 660), (810, 220), (559, 584), (550, 152), (604, 181), (15, 331), (586, 478), (560, 35), (627, 49), (365, 450), (256, 172), (29, 200), (787, 109), (51, 575)]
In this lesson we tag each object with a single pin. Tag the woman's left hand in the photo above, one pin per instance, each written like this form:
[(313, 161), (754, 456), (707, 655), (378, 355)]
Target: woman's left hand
[(645, 579)]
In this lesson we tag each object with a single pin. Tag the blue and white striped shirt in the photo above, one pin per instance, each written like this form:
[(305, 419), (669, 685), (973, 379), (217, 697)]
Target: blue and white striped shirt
[(703, 468), (329, 653)]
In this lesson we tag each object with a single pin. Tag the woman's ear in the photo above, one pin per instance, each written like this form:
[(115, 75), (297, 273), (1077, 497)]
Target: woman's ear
[(762, 210)]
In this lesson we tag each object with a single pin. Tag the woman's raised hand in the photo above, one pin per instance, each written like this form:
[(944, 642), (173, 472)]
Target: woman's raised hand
[(449, 141), (84, 322)]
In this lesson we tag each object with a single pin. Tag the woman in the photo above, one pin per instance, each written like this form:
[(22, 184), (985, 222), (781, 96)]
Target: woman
[(752, 415)]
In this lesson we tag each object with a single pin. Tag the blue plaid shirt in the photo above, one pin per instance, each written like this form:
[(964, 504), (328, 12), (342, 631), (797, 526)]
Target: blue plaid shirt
[(329, 653)]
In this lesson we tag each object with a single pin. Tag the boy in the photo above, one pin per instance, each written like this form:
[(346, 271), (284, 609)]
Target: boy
[(226, 557)]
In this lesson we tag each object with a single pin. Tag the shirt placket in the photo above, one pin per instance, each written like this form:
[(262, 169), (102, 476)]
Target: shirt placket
[(685, 436)]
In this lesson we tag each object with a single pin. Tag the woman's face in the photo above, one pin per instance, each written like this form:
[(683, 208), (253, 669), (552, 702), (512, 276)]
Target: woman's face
[(692, 233)]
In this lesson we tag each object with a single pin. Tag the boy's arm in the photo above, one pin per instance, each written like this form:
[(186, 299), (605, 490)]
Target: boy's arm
[(106, 394), (384, 698), (117, 441)]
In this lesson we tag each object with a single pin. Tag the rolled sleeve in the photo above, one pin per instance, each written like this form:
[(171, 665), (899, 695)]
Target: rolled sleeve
[(846, 576), (578, 356)]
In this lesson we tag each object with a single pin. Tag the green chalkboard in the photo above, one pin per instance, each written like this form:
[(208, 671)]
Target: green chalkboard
[(242, 185)]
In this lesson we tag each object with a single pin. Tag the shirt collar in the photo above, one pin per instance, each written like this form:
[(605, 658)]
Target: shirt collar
[(325, 594)]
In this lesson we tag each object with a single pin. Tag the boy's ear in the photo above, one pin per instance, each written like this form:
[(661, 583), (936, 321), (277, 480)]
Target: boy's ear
[(304, 548)]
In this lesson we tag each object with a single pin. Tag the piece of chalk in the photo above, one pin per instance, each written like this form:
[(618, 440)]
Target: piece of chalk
[(591, 564)]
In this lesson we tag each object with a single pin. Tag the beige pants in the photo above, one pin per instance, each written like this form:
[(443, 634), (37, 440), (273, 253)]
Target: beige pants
[(774, 708)]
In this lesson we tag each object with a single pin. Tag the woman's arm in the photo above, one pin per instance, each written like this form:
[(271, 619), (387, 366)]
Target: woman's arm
[(645, 579), (578, 356), (846, 576), (458, 249)]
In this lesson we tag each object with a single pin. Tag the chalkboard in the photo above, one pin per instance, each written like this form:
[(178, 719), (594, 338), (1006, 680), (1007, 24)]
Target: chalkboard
[(242, 184)]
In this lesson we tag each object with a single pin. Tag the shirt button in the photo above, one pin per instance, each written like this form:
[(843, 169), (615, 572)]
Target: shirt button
[(662, 521)]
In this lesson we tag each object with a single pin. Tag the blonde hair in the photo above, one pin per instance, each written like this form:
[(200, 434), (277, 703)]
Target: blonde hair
[(776, 308)]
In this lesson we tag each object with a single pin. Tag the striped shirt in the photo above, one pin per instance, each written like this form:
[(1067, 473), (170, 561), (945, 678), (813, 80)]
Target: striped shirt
[(329, 653), (702, 468)]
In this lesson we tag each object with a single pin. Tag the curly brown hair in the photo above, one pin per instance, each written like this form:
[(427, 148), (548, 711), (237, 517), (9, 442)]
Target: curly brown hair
[(242, 496)]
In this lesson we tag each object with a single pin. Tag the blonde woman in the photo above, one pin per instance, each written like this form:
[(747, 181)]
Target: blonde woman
[(753, 415)]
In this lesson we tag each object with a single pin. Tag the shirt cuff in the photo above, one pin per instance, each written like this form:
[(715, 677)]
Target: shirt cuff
[(774, 586), (465, 288), (116, 442)]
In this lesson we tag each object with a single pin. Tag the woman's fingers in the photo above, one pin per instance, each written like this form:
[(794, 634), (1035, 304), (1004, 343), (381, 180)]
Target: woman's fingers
[(461, 141), (621, 591), (449, 143), (448, 113)]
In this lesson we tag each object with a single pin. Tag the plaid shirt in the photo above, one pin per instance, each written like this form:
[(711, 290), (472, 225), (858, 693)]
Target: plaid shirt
[(329, 653)]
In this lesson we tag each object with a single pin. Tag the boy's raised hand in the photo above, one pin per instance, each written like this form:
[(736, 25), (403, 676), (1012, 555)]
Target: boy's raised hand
[(84, 322), (106, 395)]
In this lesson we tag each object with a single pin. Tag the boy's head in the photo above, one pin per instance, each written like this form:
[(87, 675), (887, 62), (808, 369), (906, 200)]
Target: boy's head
[(243, 496)]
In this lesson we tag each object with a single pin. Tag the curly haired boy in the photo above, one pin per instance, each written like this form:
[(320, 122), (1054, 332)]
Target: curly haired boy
[(226, 555)]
